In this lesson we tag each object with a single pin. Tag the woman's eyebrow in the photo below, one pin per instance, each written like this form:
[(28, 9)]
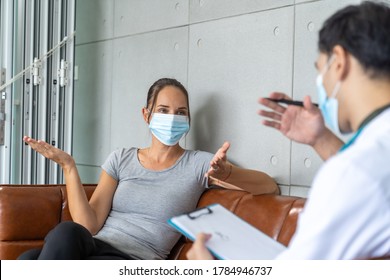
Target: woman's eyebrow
[(166, 106)]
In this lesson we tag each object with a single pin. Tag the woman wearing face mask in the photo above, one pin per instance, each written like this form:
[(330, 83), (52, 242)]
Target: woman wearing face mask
[(347, 213), (140, 189)]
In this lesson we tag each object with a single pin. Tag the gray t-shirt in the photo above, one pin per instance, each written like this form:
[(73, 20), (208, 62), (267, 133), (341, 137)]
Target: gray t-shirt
[(145, 199)]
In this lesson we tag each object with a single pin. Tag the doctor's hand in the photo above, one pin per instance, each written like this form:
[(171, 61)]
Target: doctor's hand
[(50, 152), (301, 124), (220, 168), (198, 251)]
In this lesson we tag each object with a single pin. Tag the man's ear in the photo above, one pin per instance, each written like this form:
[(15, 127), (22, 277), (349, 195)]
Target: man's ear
[(145, 114), (342, 63)]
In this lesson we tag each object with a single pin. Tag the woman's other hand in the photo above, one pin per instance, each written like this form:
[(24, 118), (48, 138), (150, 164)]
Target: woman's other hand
[(220, 168)]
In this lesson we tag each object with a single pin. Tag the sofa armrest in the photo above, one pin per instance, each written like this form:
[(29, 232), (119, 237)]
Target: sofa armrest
[(28, 213)]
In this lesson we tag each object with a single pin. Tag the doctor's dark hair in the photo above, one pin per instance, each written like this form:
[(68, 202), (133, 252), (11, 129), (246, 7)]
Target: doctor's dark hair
[(155, 89), (363, 31)]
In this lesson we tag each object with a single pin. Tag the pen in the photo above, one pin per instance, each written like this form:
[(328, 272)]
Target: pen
[(289, 102)]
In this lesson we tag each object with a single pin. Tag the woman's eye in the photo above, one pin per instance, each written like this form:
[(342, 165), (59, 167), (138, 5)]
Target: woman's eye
[(183, 113), (162, 110)]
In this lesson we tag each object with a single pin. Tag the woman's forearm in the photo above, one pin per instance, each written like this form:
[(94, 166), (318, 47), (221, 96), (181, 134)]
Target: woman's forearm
[(79, 207), (253, 181)]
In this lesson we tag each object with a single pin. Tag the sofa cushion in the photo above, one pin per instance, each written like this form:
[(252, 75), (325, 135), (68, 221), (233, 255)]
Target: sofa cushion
[(268, 213)]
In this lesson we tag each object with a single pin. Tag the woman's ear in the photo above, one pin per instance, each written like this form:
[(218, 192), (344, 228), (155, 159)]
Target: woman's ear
[(145, 114), (342, 63)]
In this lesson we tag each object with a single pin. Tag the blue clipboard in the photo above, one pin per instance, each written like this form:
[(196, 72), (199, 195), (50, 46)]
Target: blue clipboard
[(232, 238)]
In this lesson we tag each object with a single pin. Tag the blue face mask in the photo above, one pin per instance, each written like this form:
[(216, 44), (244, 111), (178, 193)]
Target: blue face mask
[(329, 105), (169, 128)]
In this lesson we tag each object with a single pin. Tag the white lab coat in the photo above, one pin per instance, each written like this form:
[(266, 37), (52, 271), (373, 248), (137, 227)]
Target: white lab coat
[(347, 213)]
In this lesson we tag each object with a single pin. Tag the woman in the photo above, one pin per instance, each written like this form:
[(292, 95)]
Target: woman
[(140, 189)]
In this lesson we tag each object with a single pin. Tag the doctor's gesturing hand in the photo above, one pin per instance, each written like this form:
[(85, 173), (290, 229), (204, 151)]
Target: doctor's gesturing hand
[(304, 125), (301, 124)]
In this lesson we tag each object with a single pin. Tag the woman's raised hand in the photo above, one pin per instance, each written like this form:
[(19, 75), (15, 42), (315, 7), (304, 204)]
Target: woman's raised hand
[(50, 152)]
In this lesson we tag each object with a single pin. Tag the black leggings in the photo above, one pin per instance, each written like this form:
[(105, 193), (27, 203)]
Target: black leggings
[(72, 241)]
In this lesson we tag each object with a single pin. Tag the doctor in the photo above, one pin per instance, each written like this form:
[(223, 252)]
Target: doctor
[(347, 214)]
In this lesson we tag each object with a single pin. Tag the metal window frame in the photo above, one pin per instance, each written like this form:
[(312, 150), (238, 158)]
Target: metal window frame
[(6, 35), (43, 110)]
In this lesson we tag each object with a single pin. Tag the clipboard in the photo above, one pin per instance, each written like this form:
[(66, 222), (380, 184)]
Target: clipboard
[(232, 238)]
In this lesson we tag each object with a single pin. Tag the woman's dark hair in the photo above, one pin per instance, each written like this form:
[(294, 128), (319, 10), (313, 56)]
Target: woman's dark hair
[(155, 89), (363, 31)]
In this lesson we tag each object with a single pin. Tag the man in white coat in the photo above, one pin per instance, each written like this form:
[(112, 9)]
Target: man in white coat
[(347, 213)]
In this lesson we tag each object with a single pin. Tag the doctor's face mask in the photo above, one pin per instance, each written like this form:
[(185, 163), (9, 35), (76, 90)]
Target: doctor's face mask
[(328, 105)]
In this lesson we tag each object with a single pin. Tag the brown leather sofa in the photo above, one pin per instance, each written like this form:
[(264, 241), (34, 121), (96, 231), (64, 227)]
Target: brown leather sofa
[(29, 212)]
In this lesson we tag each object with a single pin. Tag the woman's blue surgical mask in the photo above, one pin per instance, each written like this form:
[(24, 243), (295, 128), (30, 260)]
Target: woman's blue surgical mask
[(169, 128), (329, 105)]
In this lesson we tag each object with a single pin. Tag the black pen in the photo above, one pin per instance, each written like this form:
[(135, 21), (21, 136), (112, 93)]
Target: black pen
[(289, 102)]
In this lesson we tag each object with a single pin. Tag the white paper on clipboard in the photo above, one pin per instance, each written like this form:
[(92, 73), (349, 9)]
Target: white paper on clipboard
[(231, 237)]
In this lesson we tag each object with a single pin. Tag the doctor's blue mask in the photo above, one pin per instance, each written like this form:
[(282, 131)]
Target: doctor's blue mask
[(328, 105), (169, 128)]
